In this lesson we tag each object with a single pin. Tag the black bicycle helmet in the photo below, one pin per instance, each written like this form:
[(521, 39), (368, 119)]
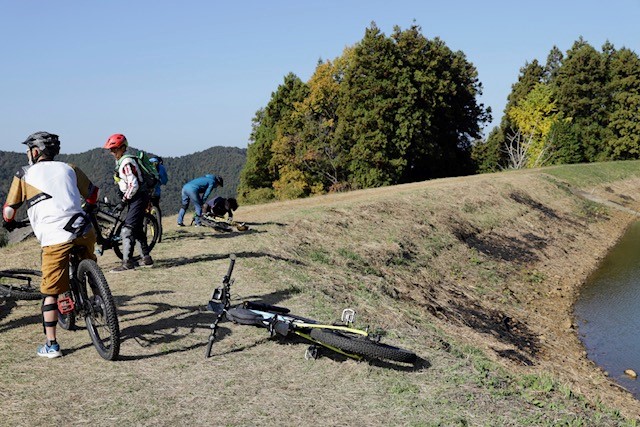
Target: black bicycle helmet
[(233, 203), (46, 142), (219, 181)]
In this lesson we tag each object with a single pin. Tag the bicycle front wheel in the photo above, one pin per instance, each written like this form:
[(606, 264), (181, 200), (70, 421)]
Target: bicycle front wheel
[(358, 344), (20, 284), (100, 310)]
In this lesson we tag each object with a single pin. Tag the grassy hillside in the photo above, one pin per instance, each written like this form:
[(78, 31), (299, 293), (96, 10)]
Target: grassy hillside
[(476, 274)]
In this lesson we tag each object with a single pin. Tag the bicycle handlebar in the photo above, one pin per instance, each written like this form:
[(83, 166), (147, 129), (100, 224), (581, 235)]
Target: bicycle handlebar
[(232, 261)]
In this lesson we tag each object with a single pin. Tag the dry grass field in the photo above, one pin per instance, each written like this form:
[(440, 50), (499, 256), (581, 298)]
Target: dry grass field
[(477, 275)]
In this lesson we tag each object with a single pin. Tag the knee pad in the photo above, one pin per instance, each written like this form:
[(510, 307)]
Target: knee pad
[(126, 232), (49, 307)]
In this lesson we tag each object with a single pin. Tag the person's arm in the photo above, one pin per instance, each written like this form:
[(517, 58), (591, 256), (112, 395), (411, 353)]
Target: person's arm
[(15, 197), (129, 175), (162, 171), (210, 188), (88, 191)]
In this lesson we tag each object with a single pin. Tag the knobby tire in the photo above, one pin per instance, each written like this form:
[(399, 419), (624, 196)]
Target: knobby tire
[(27, 290), (358, 344), (100, 313), (157, 214)]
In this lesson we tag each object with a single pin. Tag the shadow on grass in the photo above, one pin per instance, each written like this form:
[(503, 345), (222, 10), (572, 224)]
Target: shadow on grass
[(7, 307), (162, 323), (173, 262)]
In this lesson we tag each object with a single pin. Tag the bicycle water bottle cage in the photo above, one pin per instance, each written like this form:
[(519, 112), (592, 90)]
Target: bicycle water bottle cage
[(348, 316), (65, 304)]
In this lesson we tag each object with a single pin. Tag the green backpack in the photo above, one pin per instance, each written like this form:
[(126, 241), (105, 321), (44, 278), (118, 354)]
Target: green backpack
[(149, 171)]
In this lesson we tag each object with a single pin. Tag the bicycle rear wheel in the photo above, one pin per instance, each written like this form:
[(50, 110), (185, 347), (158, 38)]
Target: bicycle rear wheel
[(20, 284), (150, 227), (216, 225), (157, 214), (358, 344), (100, 310)]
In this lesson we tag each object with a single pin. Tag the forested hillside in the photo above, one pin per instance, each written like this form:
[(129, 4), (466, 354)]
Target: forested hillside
[(98, 164)]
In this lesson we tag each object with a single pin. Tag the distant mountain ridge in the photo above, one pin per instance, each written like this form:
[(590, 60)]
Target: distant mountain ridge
[(98, 164)]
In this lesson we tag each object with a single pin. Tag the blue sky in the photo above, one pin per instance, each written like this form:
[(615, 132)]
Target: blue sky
[(177, 77)]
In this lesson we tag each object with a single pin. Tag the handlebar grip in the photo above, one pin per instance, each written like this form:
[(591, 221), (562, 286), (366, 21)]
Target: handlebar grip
[(232, 261)]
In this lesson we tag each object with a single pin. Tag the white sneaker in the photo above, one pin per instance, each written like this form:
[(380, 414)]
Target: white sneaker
[(49, 351)]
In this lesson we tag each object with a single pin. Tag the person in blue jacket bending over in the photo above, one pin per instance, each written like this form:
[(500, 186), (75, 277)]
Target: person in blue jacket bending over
[(197, 191)]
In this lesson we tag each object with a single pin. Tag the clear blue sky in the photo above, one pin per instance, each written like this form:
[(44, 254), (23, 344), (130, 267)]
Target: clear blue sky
[(177, 77)]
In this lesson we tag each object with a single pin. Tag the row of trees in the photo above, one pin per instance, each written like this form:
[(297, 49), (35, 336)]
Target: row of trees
[(389, 110), (580, 107)]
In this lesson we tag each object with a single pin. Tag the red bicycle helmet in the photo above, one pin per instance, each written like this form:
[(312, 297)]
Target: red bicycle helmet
[(115, 141)]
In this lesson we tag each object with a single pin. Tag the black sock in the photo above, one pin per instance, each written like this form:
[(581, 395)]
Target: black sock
[(53, 342)]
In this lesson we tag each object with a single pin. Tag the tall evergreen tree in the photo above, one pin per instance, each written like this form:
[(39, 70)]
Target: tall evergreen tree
[(624, 117), (580, 89), (260, 172)]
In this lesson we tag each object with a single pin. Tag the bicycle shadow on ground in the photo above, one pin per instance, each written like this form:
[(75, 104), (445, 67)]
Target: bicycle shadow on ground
[(227, 234), (174, 262), (162, 330), (278, 224), (183, 235), (7, 307)]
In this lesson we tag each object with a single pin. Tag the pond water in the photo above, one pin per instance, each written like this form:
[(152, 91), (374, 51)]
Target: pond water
[(608, 312)]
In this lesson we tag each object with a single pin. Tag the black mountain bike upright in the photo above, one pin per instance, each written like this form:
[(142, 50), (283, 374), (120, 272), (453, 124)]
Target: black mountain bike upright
[(108, 222), (89, 297), (342, 337)]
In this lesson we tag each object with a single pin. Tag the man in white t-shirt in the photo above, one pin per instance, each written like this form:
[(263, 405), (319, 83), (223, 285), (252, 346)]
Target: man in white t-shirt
[(54, 193)]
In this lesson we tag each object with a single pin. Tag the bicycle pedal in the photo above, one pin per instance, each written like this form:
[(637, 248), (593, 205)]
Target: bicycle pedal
[(312, 352), (65, 305)]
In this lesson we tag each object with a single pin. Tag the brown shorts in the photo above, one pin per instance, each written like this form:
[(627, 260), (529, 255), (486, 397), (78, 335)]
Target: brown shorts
[(55, 263)]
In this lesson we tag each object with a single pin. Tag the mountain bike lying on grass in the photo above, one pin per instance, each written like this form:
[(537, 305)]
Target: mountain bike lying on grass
[(219, 223), (20, 284), (89, 297), (108, 222), (342, 337)]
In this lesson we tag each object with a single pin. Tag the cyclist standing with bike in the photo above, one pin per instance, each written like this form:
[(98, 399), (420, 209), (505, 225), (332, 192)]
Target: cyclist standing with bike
[(128, 176), (54, 192)]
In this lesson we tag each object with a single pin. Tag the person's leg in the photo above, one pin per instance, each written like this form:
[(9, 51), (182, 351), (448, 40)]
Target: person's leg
[(137, 208), (184, 206), (55, 281), (135, 211), (197, 204)]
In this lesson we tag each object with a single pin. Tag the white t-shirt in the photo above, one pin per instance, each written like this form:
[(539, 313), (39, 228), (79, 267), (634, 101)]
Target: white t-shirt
[(53, 200)]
